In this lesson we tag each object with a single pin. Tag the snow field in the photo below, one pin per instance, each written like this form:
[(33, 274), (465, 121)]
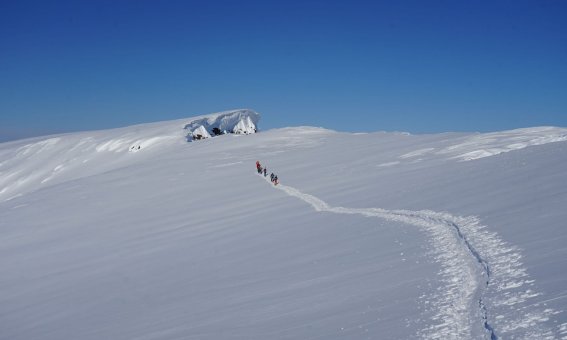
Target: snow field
[(459, 303), (135, 233)]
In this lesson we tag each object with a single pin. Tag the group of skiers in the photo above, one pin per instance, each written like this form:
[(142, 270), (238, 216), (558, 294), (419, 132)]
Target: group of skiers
[(263, 170)]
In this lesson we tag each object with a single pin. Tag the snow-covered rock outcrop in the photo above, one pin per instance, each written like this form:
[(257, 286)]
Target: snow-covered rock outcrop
[(200, 133), (244, 126), (242, 121)]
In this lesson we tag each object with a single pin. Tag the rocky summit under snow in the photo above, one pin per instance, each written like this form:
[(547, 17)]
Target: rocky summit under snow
[(134, 233), (200, 133), (235, 121)]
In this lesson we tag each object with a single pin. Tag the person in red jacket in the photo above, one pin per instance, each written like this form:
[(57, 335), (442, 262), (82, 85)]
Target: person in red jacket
[(258, 167)]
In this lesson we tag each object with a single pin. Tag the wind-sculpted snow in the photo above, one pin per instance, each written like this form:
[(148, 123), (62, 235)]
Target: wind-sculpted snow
[(244, 121), (486, 290), (491, 144), (38, 163)]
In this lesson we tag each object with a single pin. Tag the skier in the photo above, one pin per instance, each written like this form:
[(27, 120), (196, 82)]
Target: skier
[(276, 180), (272, 177), (265, 172), (258, 167)]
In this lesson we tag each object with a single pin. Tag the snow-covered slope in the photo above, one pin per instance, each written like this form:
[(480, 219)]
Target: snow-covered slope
[(35, 163), (134, 233)]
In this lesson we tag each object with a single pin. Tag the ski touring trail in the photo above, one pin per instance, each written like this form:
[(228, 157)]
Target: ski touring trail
[(485, 291)]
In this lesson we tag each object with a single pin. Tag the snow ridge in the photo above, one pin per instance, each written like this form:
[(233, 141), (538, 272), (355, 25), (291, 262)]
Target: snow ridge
[(483, 294), (474, 147), (495, 143)]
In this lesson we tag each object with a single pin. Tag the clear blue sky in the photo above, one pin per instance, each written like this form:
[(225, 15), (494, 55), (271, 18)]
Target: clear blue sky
[(418, 66)]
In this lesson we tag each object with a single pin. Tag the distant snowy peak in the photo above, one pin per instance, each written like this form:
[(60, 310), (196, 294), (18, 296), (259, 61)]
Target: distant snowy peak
[(242, 121)]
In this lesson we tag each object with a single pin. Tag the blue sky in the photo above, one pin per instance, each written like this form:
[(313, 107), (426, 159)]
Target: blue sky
[(418, 66)]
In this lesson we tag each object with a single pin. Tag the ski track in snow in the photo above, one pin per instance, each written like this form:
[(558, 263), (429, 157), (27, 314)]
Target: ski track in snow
[(485, 290)]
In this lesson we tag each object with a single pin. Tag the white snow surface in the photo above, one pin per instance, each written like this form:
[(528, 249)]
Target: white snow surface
[(134, 233)]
